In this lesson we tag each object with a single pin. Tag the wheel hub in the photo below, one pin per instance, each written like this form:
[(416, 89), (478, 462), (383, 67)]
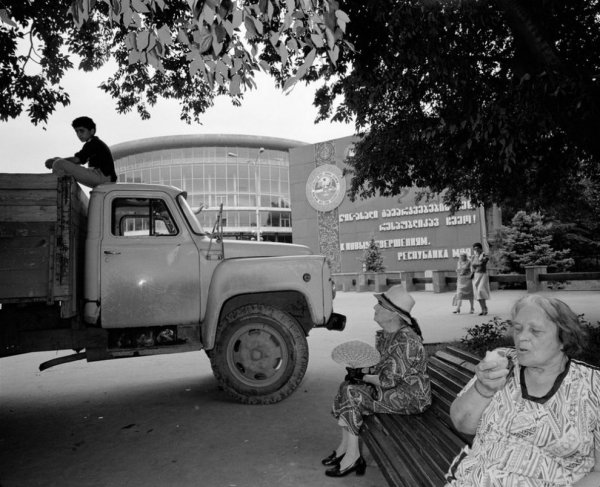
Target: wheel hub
[(258, 354)]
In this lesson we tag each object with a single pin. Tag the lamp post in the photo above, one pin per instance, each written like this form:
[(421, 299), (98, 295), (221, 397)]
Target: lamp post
[(257, 187)]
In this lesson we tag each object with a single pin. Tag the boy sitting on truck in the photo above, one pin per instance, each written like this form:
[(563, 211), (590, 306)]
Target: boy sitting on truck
[(97, 155)]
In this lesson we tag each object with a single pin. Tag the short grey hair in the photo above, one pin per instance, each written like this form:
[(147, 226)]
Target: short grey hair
[(571, 334)]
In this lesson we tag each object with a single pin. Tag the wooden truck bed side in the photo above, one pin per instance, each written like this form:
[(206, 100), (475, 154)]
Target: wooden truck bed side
[(42, 239)]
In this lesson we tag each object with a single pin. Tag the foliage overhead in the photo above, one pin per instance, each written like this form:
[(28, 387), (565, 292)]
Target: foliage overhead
[(188, 50), (493, 101), (528, 241)]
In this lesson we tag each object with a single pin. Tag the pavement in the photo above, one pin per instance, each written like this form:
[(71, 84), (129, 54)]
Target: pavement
[(439, 324), (161, 421)]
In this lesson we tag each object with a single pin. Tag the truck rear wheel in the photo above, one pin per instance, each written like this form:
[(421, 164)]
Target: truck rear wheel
[(260, 354)]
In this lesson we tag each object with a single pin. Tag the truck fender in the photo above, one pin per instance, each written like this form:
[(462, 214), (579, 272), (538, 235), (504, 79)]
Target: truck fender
[(259, 276)]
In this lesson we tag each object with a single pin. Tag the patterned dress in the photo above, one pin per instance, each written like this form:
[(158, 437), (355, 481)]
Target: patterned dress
[(402, 371), (527, 441), (464, 286), (481, 280)]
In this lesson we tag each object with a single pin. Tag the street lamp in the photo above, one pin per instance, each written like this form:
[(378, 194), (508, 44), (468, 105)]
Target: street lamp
[(257, 187)]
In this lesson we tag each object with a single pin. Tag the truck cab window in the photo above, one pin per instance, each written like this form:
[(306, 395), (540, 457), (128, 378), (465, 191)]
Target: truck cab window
[(141, 217)]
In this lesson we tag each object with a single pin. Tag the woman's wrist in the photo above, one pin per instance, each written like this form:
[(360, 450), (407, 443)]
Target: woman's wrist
[(478, 390)]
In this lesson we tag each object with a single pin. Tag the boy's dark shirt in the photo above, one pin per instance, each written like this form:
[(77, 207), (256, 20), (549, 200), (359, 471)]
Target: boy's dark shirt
[(97, 155)]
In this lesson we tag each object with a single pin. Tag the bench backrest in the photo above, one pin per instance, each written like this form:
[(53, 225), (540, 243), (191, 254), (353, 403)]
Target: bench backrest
[(450, 370)]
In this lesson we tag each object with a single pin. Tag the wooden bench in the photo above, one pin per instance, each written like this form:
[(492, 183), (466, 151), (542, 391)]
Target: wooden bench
[(417, 450)]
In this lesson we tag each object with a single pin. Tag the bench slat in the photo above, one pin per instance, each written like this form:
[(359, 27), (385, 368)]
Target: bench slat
[(461, 376), (404, 450), (384, 451)]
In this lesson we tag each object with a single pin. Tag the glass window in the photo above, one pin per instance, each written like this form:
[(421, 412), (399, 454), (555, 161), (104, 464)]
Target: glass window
[(141, 217), (244, 218), (221, 185), (165, 175), (243, 185), (209, 171), (245, 200), (244, 171)]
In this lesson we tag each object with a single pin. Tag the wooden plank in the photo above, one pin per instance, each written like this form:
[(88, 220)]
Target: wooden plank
[(460, 375), (28, 197), (33, 213), (23, 283), (383, 449), (465, 365), (27, 181), (25, 229), (433, 442), (458, 352)]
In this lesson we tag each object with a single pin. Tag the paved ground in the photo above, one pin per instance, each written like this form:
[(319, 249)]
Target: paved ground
[(161, 422)]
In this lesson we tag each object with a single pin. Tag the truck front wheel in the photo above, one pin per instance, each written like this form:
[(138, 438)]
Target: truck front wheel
[(260, 354)]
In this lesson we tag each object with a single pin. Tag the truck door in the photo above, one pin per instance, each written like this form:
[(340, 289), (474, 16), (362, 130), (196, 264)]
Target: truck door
[(149, 264)]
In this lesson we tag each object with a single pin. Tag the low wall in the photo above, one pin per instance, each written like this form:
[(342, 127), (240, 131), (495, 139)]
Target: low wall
[(536, 278)]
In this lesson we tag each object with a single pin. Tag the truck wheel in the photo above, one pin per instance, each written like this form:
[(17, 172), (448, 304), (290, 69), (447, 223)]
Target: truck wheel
[(260, 354)]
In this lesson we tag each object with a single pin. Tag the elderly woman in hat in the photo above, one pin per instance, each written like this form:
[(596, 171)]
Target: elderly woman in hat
[(397, 384)]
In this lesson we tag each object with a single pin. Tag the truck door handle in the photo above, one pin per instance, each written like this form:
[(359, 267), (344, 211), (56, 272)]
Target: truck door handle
[(112, 252)]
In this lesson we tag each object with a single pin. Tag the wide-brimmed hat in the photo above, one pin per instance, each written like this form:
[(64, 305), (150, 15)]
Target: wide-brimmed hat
[(355, 354), (396, 299)]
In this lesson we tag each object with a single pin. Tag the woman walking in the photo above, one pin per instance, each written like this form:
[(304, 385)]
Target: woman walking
[(481, 281), (464, 286)]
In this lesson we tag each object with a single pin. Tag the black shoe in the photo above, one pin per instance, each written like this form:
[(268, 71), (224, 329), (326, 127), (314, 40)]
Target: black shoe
[(332, 459), (359, 466)]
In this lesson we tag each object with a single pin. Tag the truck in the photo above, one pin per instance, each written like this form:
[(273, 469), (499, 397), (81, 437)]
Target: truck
[(128, 271)]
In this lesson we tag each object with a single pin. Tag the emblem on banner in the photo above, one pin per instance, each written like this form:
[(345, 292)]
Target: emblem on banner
[(326, 187)]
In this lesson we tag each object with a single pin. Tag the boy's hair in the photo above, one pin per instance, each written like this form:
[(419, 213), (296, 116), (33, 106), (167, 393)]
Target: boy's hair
[(85, 122)]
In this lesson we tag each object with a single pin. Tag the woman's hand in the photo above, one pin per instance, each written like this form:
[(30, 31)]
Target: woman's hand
[(466, 410), (491, 373)]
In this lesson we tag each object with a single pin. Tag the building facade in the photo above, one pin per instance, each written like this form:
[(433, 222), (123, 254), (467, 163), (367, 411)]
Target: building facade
[(248, 175)]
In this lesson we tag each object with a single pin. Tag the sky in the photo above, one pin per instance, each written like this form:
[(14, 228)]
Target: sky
[(264, 111)]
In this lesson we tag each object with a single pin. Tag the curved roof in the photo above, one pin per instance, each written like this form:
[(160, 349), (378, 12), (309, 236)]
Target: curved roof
[(129, 148)]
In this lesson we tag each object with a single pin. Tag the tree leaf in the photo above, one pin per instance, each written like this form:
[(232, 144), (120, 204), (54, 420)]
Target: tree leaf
[(5, 18), (164, 34), (302, 70), (139, 6), (234, 85), (289, 83), (142, 40)]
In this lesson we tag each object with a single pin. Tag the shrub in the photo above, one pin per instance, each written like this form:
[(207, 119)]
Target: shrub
[(487, 336)]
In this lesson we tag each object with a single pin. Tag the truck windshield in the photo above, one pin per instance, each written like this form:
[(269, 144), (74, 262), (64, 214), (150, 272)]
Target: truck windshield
[(189, 215)]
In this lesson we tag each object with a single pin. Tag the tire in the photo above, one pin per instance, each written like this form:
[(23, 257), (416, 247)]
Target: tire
[(260, 354)]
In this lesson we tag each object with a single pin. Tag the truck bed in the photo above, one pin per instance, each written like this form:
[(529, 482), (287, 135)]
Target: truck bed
[(42, 239)]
